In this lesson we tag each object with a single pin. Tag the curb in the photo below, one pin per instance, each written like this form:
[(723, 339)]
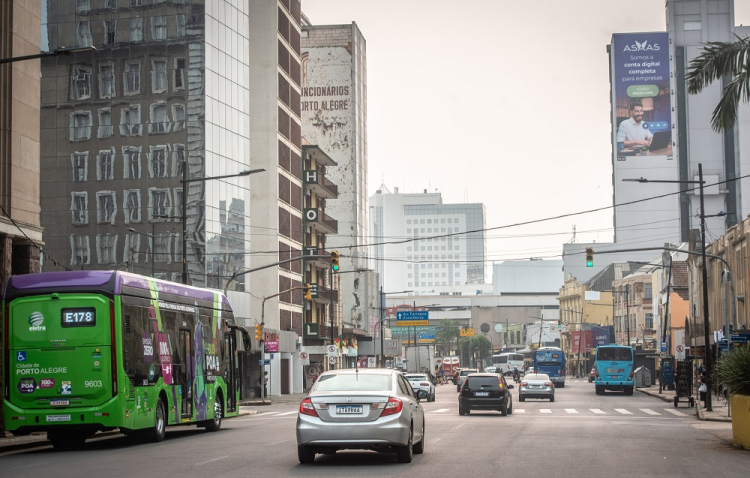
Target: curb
[(44, 442)]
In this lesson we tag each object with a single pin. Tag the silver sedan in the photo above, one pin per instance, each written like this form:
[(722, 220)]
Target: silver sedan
[(536, 385), (371, 409)]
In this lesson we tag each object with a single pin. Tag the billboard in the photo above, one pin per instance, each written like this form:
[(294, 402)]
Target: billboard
[(642, 123)]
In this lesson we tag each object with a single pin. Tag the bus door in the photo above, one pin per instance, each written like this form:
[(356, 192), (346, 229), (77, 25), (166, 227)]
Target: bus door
[(230, 371), (186, 372)]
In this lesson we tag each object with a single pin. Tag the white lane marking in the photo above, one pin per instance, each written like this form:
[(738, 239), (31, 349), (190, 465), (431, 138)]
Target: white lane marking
[(623, 411), (441, 410), (437, 440), (571, 410), (265, 414), (675, 412), (459, 426), (211, 460), (598, 411), (545, 410), (287, 413), (30, 466), (649, 411), (520, 410)]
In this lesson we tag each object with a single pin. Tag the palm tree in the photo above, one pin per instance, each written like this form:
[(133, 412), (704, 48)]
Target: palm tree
[(471, 346), (446, 333), (717, 60)]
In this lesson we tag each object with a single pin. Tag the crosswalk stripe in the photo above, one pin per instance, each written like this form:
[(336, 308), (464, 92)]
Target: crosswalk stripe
[(597, 411), (287, 413), (675, 412), (441, 410), (265, 413), (519, 410), (545, 410), (571, 410), (650, 412), (623, 411)]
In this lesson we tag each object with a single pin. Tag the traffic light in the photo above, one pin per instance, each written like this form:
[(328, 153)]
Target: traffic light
[(335, 261), (466, 328), (308, 292), (589, 257), (258, 332)]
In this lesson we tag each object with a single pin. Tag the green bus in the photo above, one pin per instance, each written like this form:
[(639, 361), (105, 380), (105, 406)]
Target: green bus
[(88, 351)]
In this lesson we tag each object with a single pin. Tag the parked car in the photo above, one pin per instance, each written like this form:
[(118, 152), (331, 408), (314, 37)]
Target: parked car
[(592, 374), (420, 381), (536, 385), (462, 373), (485, 391), (361, 409)]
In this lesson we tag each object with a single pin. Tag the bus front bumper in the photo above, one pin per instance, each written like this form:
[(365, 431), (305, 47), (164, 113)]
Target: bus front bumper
[(21, 421)]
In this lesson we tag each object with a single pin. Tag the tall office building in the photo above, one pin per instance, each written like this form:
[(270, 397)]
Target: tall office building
[(334, 117), (423, 245), (163, 99)]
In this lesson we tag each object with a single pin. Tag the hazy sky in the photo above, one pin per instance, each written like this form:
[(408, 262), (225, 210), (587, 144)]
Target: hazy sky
[(500, 102)]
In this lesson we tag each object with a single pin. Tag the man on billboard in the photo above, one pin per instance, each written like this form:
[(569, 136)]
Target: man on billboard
[(631, 133)]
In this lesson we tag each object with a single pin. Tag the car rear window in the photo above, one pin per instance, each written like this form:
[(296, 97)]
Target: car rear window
[(353, 382), (414, 378), (479, 382), (467, 372), (536, 376)]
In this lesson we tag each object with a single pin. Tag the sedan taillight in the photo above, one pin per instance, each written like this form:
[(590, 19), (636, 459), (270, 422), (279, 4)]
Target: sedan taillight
[(549, 384), (306, 408), (424, 384), (524, 384), (393, 407)]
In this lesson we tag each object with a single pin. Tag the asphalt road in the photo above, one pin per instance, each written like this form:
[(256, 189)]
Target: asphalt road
[(581, 433)]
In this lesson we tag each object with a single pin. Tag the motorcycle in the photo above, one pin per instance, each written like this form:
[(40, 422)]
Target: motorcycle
[(516, 377)]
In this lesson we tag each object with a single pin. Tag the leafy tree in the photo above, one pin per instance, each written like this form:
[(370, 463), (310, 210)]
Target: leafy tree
[(717, 60), (446, 334)]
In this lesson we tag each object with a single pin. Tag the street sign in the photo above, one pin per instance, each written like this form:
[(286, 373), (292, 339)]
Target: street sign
[(679, 352), (467, 332), (272, 345), (332, 360), (663, 354), (390, 346), (412, 317), (426, 338), (304, 358), (332, 350), (264, 362), (485, 327), (371, 362), (663, 347)]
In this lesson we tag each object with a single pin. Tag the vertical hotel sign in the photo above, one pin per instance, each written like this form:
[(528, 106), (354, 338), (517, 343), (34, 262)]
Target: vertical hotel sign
[(641, 93)]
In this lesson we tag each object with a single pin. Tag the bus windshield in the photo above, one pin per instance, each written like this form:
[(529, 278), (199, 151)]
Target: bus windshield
[(614, 354)]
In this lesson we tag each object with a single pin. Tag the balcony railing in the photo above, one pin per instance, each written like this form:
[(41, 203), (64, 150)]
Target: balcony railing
[(318, 219), (320, 185)]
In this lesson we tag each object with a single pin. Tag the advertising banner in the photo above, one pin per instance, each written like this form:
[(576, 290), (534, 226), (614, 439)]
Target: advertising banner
[(642, 109), (575, 343)]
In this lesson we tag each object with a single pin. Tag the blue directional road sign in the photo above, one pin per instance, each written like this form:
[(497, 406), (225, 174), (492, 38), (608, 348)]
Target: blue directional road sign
[(664, 347), (264, 362), (412, 317)]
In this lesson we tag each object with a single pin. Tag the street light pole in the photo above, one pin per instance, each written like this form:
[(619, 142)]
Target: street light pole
[(57, 52), (185, 182)]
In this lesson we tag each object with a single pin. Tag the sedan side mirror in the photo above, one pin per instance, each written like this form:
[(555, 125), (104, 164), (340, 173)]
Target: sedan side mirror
[(421, 394)]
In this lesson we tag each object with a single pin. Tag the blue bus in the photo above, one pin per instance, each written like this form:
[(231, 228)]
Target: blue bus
[(551, 361), (614, 369)]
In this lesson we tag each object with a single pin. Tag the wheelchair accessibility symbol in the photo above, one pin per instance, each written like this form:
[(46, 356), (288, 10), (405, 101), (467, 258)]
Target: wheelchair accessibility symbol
[(21, 357)]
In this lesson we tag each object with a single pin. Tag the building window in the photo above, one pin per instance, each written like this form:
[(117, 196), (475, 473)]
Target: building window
[(178, 202), (159, 202), (157, 163), (131, 157), (80, 161), (159, 119), (179, 74), (110, 4), (110, 29), (106, 209), (105, 164), (692, 26), (136, 3), (178, 116), (159, 27), (80, 125), (80, 82), (83, 34), (79, 208), (132, 205), (83, 6), (178, 159), (180, 17), (132, 77), (106, 245), (105, 123), (80, 250), (136, 29), (161, 243), (106, 80), (159, 75), (650, 321), (647, 291), (130, 121)]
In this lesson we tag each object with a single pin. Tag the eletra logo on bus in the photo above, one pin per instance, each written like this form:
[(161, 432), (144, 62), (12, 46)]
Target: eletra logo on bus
[(36, 319)]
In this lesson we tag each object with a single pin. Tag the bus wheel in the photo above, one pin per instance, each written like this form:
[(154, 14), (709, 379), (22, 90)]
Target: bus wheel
[(629, 391), (215, 424), (159, 429), (70, 440), (599, 390)]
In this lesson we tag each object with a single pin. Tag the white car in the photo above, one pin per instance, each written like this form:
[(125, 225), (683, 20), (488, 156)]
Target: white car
[(420, 381)]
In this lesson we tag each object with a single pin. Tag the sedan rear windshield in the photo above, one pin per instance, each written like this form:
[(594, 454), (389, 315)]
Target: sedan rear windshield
[(467, 372), (478, 382), (353, 382), (414, 378)]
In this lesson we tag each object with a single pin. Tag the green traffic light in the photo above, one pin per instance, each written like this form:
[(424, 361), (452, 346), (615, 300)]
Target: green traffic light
[(589, 263), (335, 267)]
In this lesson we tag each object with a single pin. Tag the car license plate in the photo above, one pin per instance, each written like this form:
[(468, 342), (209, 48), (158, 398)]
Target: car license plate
[(59, 403), (481, 394), (348, 409), (58, 418)]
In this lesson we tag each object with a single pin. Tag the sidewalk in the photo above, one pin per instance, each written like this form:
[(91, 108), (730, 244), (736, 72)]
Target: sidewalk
[(289, 399), (718, 414)]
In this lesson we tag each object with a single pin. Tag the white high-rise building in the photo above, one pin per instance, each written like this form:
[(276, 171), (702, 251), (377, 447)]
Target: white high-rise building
[(417, 243)]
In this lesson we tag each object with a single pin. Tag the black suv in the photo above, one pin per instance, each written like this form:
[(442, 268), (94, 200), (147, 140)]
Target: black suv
[(485, 391)]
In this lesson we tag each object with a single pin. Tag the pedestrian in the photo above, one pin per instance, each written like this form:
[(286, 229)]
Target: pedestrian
[(264, 379), (702, 388)]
